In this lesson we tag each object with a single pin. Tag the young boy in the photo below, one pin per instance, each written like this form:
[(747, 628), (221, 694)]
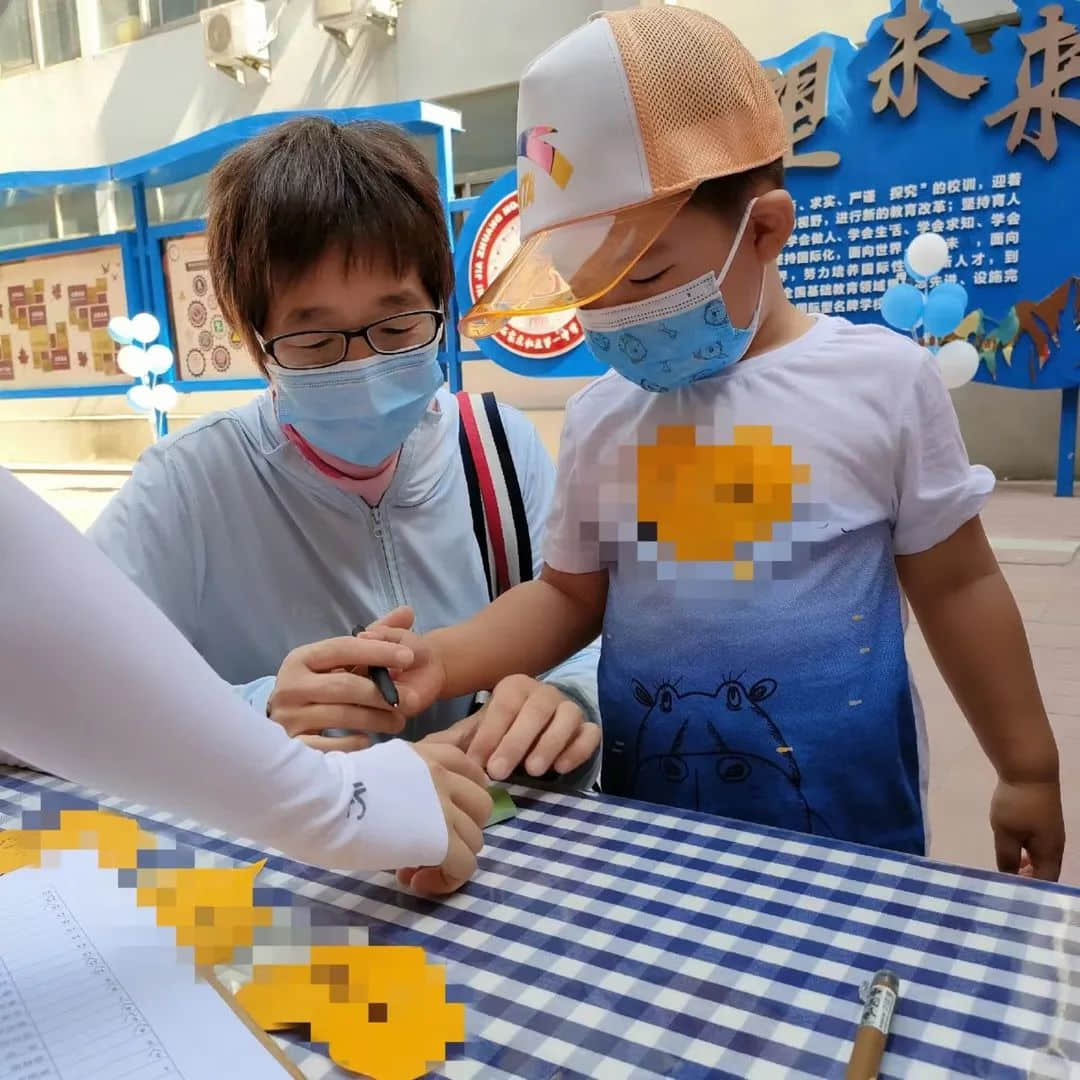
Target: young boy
[(744, 501)]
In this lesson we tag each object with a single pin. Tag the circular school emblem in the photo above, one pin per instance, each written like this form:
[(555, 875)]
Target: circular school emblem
[(196, 363), (543, 337)]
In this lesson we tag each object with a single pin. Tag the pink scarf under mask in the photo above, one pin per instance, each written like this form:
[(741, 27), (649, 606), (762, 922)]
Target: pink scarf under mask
[(370, 482)]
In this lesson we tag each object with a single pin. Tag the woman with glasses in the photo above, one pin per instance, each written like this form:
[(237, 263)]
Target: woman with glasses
[(268, 532)]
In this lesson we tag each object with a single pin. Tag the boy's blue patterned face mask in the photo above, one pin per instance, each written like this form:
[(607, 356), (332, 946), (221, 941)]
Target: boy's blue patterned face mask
[(679, 337)]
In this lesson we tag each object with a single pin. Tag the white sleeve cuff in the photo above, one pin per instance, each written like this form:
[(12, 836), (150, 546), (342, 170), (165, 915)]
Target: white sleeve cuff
[(395, 808), (567, 559), (946, 512)]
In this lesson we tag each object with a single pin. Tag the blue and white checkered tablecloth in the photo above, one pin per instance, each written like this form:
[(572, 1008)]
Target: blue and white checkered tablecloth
[(602, 939)]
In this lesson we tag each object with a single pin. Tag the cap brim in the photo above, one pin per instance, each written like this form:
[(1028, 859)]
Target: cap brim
[(571, 265)]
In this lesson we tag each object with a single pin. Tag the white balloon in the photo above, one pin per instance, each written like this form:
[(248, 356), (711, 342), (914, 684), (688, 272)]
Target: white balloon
[(132, 361), (159, 359), (120, 329), (142, 397), (145, 328), (164, 397), (959, 362), (928, 254)]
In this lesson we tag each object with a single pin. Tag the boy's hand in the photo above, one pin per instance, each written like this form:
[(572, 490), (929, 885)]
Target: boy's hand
[(1029, 829), (422, 681), (531, 722)]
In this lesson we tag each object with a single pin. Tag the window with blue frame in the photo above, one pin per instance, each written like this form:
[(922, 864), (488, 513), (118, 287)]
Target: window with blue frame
[(62, 215), (185, 201)]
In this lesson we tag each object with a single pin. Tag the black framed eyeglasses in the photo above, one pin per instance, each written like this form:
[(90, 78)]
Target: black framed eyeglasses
[(309, 349)]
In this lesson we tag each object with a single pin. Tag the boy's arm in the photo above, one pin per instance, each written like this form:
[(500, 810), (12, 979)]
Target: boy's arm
[(537, 625), (528, 630), (975, 633), (531, 629), (575, 677), (970, 620)]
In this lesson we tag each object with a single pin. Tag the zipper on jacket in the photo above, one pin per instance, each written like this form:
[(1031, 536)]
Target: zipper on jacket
[(397, 595), (379, 531)]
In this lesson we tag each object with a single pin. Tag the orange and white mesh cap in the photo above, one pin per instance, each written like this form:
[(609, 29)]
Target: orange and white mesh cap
[(618, 123)]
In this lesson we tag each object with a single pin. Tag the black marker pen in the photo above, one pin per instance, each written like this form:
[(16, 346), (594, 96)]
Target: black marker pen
[(381, 678)]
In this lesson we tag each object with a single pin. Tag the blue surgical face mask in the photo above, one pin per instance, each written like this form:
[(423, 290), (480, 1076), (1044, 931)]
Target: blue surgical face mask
[(359, 410), (676, 338)]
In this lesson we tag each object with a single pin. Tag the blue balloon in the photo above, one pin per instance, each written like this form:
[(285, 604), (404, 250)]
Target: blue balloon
[(945, 309), (952, 289), (902, 306)]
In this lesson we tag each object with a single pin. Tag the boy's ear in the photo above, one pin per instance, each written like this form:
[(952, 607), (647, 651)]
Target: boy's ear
[(773, 222)]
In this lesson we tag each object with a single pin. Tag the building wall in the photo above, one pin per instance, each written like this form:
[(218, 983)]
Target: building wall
[(135, 98), (771, 27)]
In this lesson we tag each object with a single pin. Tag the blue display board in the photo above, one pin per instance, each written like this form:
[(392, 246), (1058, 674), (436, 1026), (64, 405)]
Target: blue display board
[(916, 132)]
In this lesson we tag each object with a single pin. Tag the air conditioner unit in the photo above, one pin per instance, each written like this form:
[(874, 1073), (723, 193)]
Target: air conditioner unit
[(345, 19), (236, 38)]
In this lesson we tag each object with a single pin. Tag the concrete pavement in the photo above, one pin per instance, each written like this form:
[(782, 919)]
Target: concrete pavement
[(1037, 539)]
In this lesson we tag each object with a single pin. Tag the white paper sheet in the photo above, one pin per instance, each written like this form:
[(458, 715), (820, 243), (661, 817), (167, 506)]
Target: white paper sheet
[(92, 989)]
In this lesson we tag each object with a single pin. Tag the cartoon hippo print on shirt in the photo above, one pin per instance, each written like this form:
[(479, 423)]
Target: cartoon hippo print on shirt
[(719, 752)]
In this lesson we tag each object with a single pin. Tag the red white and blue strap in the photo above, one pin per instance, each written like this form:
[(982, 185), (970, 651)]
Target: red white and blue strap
[(498, 509)]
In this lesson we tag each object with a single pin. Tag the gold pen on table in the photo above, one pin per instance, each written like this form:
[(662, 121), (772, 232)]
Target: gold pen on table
[(873, 1031)]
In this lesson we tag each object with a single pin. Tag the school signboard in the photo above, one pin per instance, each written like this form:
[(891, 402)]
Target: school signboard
[(918, 132)]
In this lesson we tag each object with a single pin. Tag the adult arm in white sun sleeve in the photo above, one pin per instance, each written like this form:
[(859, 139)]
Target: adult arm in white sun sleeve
[(97, 686)]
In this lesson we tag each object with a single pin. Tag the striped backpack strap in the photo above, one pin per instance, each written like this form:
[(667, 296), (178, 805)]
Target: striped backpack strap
[(498, 509)]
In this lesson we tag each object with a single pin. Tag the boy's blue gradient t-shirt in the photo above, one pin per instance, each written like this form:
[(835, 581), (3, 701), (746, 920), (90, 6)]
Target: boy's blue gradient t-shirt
[(753, 658)]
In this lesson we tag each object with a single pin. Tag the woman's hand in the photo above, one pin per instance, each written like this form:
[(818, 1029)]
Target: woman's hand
[(325, 685)]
